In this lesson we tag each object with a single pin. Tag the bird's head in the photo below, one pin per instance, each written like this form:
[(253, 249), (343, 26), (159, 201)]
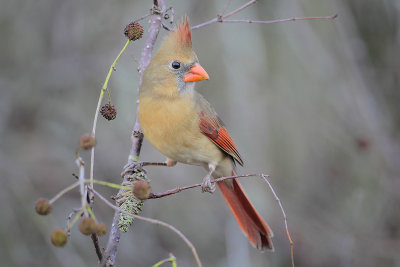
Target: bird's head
[(175, 66)]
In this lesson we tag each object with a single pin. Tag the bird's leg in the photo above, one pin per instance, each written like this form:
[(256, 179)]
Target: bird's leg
[(207, 186), (130, 167)]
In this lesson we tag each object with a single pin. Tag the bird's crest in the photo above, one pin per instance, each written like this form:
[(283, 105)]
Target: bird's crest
[(183, 32)]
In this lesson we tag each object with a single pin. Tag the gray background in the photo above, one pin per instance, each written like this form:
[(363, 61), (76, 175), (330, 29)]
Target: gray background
[(315, 104)]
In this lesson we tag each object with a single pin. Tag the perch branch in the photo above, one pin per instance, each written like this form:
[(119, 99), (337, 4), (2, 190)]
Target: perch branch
[(261, 175), (137, 136), (182, 188), (153, 221)]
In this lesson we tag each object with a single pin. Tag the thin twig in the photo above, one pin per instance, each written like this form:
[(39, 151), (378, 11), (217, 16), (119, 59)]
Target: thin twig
[(278, 20), (218, 18), (62, 192), (225, 9), (95, 240), (84, 202), (179, 189), (81, 165), (74, 212), (284, 216), (263, 176), (222, 18), (153, 221), (143, 17), (76, 218)]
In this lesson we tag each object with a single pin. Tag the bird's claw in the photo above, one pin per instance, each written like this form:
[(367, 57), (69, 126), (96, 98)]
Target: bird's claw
[(131, 167), (207, 186)]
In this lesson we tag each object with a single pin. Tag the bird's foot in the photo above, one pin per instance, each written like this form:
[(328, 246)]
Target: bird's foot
[(207, 186), (131, 167)]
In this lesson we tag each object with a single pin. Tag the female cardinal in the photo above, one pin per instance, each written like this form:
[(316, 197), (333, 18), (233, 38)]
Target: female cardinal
[(183, 126)]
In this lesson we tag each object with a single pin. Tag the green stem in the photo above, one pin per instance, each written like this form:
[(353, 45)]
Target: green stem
[(69, 188), (76, 218), (171, 259), (62, 192), (113, 65), (96, 115), (89, 209), (111, 185)]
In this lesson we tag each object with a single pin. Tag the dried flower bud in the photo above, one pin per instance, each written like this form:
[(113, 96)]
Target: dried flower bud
[(101, 229), (59, 237), (87, 226), (43, 206), (87, 141), (108, 111), (133, 31), (141, 189)]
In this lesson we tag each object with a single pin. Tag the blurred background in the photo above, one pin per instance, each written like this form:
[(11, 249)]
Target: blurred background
[(314, 104)]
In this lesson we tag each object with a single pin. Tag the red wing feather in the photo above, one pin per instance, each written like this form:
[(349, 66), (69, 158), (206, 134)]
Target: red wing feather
[(217, 133)]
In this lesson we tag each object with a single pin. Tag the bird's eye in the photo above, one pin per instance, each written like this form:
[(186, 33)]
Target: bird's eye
[(176, 64)]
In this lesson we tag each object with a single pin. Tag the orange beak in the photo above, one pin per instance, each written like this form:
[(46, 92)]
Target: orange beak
[(196, 74)]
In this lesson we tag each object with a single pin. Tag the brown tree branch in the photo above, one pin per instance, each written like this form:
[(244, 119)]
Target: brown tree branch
[(137, 136), (95, 240)]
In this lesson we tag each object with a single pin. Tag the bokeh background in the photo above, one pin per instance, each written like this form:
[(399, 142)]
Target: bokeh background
[(315, 104)]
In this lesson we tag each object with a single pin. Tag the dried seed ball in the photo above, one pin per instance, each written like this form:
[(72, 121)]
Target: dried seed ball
[(43, 206), (141, 189), (133, 31), (87, 226), (108, 111), (59, 237), (87, 141), (101, 229)]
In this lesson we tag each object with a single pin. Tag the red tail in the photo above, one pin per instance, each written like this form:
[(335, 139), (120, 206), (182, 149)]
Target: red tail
[(249, 220)]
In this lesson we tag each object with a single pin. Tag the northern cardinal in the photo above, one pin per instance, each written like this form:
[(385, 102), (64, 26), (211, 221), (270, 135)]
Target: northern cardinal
[(182, 125)]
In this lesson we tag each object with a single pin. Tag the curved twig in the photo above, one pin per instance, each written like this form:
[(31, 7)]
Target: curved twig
[(153, 221), (261, 175)]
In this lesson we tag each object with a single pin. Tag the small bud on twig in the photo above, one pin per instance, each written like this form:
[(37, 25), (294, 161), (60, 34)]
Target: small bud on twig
[(59, 237), (141, 189), (43, 206), (87, 226), (108, 111), (87, 141), (101, 229), (133, 31)]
